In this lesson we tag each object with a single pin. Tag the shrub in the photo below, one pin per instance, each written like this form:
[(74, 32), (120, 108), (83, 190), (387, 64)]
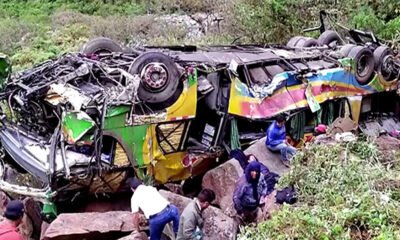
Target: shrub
[(338, 197)]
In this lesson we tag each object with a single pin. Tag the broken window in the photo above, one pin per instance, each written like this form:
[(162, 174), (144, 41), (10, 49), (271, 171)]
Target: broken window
[(274, 70), (171, 136), (258, 75)]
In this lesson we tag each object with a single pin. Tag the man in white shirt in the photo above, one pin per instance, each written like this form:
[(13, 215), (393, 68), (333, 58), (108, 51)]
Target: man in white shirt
[(155, 208)]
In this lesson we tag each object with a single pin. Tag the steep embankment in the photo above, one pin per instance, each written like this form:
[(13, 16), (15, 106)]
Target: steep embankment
[(346, 191)]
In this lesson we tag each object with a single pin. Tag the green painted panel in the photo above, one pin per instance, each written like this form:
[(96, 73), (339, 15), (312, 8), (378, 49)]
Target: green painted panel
[(115, 117), (75, 125), (133, 138), (117, 110)]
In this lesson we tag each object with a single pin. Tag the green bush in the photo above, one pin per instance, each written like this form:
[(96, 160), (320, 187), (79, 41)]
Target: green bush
[(338, 197)]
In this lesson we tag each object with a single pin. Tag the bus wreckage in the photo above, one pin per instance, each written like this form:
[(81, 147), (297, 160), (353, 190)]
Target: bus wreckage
[(87, 121)]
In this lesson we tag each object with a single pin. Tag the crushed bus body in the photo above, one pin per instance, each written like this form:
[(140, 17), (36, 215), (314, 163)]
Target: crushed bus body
[(87, 121)]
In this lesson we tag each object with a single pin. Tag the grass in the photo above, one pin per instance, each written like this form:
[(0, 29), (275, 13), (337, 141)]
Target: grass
[(345, 192)]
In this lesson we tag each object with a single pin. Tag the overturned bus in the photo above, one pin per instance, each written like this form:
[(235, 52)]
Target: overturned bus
[(85, 122)]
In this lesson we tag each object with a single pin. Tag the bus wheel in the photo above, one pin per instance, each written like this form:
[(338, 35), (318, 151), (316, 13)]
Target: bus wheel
[(101, 45), (292, 42), (328, 38), (364, 63), (383, 57), (306, 42), (159, 77), (345, 50)]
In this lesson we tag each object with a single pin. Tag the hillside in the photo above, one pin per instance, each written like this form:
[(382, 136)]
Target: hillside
[(35, 30)]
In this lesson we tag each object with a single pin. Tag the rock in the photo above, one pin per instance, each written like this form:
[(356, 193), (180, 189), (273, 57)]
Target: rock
[(4, 199), (217, 225), (175, 188), (222, 180), (90, 226), (43, 229), (26, 227), (265, 156), (388, 143), (135, 235), (33, 209), (389, 147), (270, 206)]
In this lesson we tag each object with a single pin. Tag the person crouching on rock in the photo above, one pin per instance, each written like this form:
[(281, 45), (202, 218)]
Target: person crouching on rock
[(155, 208), (191, 221), (250, 191), (13, 214)]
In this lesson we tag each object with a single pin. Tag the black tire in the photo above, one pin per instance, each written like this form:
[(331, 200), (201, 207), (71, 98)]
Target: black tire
[(292, 42), (306, 42), (328, 37), (164, 86), (382, 60), (101, 45), (364, 62), (345, 50)]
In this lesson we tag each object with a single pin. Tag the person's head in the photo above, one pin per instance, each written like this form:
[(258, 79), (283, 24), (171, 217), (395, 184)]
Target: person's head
[(280, 121), (252, 172), (206, 197), (251, 158), (14, 212), (320, 129), (134, 183)]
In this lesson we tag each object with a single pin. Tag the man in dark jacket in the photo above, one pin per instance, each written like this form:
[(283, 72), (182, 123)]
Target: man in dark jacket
[(191, 220), (276, 140), (250, 192)]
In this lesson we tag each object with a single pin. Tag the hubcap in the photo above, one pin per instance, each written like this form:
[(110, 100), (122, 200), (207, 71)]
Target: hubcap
[(155, 76)]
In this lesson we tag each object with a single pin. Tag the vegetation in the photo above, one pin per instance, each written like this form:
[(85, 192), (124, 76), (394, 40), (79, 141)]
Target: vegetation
[(345, 192), (35, 30)]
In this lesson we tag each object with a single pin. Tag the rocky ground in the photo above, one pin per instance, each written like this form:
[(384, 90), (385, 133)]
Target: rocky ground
[(105, 221)]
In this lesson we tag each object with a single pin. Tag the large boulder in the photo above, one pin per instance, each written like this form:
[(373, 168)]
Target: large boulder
[(33, 211), (217, 225), (222, 179), (90, 226), (265, 156), (135, 235)]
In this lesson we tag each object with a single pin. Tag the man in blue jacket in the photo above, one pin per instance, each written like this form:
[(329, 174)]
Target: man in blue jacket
[(276, 140)]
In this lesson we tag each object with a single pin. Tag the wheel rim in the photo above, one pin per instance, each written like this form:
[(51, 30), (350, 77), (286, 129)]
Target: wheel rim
[(387, 66), (363, 66), (155, 76)]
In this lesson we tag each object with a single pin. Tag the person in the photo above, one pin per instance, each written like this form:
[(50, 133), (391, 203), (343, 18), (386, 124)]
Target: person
[(244, 159), (320, 129), (250, 191), (191, 221), (13, 217), (276, 140), (271, 178), (155, 208)]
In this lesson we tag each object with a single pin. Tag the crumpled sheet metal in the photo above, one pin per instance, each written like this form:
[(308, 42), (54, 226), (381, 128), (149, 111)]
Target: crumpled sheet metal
[(62, 94), (75, 125), (325, 84)]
